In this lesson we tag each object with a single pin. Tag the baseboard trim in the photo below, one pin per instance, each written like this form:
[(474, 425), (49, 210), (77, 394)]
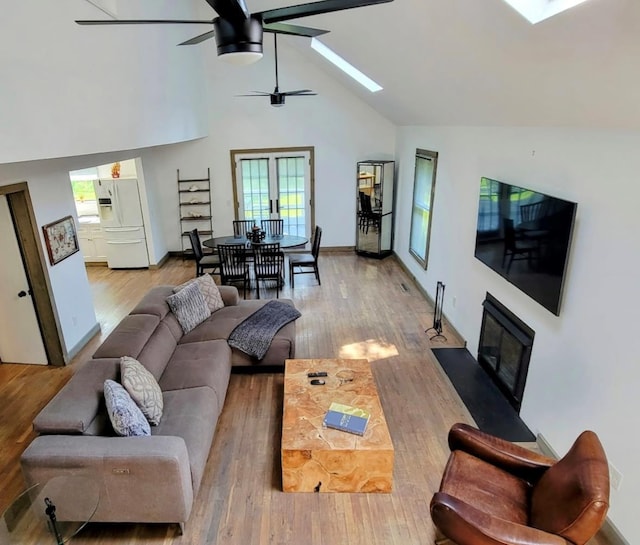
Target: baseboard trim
[(82, 343), (424, 293), (609, 529), (160, 263)]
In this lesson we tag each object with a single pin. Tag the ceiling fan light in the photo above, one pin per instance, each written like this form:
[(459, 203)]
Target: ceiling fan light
[(277, 100), (239, 43), (241, 58)]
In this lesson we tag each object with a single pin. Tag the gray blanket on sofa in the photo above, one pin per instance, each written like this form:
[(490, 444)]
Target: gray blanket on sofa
[(254, 334)]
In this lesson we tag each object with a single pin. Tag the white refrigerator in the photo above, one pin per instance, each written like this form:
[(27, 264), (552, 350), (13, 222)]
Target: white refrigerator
[(122, 223)]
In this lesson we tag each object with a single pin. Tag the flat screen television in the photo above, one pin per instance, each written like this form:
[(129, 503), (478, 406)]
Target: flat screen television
[(525, 236)]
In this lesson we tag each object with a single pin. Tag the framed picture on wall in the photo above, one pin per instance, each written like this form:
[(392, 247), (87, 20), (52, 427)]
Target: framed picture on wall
[(61, 239)]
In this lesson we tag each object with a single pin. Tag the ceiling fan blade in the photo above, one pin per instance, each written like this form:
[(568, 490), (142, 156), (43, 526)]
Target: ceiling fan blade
[(232, 10), (301, 92), (200, 38), (256, 94), (141, 22), (293, 30), (314, 8)]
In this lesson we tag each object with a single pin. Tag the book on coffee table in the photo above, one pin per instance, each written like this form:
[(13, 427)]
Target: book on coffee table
[(346, 418)]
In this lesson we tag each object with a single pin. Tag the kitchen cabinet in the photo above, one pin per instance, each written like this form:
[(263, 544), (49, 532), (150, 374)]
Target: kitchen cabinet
[(93, 244)]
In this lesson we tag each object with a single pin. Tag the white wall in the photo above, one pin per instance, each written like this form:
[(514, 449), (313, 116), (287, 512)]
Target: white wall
[(584, 367), (52, 199), (342, 129), (73, 90)]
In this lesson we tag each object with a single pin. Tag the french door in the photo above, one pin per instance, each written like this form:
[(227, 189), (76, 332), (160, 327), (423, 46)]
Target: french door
[(275, 184)]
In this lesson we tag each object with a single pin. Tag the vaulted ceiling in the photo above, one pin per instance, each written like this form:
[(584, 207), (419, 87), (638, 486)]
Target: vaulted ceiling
[(478, 62)]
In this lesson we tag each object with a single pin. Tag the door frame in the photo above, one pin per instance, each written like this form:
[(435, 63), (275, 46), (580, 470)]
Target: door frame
[(35, 266), (312, 186)]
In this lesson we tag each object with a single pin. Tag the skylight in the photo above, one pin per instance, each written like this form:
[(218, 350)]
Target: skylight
[(539, 10), (347, 68)]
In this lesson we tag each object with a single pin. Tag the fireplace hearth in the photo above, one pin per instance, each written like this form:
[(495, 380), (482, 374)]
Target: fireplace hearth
[(505, 349)]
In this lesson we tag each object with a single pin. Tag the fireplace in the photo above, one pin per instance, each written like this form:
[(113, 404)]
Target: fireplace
[(505, 349)]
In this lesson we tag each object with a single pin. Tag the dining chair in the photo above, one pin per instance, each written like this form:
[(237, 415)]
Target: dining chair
[(273, 227), (241, 228), (268, 264), (306, 261), (516, 249), (533, 211), (233, 265), (369, 216), (203, 262)]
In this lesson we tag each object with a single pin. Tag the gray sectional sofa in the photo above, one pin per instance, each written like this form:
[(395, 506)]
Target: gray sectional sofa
[(153, 478)]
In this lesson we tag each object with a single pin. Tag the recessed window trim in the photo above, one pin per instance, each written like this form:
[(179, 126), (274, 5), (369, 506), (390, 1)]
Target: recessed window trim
[(421, 205)]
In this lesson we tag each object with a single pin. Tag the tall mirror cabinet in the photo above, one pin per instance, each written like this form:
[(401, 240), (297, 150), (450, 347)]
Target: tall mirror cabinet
[(375, 208)]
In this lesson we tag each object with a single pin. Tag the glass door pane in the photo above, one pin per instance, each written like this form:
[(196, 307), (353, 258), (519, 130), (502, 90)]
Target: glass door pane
[(254, 176), (510, 358), (292, 194)]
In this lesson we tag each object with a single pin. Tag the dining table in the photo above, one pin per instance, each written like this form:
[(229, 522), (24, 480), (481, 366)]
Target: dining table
[(285, 241)]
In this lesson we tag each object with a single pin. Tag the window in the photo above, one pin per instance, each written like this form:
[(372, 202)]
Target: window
[(423, 190), (85, 197)]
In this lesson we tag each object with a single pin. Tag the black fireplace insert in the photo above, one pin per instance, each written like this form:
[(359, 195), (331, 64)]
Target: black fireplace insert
[(505, 349)]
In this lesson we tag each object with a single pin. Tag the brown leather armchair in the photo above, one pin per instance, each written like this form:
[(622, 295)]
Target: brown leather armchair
[(494, 492)]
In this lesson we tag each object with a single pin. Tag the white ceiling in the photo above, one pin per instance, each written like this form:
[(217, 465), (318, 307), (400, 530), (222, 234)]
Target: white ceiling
[(478, 62)]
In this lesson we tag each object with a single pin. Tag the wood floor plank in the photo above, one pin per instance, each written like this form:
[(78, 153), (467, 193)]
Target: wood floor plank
[(364, 308)]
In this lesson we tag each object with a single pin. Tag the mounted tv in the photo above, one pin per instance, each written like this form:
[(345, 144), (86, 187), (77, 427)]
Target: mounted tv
[(525, 236)]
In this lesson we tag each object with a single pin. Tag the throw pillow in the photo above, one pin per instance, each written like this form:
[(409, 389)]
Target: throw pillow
[(126, 418), (189, 307), (209, 291), (143, 388)]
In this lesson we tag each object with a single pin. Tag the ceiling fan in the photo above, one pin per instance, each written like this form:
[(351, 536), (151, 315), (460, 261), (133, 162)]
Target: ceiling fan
[(277, 97), (238, 33)]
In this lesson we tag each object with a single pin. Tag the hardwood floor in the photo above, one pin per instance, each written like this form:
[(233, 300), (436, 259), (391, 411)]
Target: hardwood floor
[(364, 308)]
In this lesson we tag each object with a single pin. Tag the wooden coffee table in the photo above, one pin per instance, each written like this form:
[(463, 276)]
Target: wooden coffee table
[(319, 459)]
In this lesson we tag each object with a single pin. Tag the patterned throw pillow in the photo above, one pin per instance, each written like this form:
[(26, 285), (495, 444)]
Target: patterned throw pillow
[(126, 418), (189, 307), (209, 291), (143, 388)]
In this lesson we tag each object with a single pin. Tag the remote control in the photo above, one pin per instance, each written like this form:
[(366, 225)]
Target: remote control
[(317, 374)]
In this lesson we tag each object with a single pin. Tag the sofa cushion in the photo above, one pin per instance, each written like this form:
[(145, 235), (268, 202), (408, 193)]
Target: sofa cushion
[(192, 414), (209, 291), (143, 388), (189, 307), (157, 352), (207, 363), (129, 337), (126, 418), (222, 323), (154, 302), (230, 295), (79, 406)]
